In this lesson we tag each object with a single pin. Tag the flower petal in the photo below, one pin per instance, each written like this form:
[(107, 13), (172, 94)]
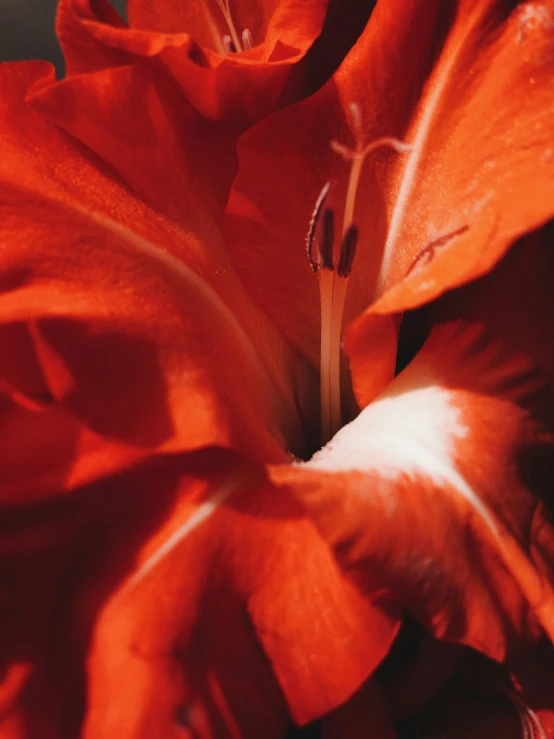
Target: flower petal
[(50, 451), (194, 601), (445, 479), (241, 87), (463, 195), (127, 335)]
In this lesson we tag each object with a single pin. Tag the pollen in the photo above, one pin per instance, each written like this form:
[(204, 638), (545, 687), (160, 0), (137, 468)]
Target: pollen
[(333, 260)]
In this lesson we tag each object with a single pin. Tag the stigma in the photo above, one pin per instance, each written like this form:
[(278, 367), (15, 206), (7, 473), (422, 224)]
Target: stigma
[(332, 256)]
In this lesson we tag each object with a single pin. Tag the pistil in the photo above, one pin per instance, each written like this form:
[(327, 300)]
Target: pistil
[(334, 268)]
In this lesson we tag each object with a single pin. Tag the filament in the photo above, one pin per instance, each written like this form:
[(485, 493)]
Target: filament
[(333, 284), (223, 5)]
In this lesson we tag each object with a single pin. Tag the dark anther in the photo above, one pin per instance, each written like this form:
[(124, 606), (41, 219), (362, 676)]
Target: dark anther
[(327, 238), (314, 253), (348, 250)]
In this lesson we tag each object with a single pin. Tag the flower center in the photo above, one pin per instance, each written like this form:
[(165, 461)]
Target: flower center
[(333, 259), (232, 42)]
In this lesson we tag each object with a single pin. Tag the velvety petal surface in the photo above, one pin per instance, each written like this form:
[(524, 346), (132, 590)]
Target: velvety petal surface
[(134, 316), (185, 42), (219, 607), (180, 580), (440, 491), (477, 176)]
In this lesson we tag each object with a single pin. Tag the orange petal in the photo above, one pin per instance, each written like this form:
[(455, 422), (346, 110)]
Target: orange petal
[(128, 335), (438, 491), (241, 87), (49, 451), (216, 603), (45, 449), (464, 194)]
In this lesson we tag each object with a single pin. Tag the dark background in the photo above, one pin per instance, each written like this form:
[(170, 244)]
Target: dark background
[(27, 30)]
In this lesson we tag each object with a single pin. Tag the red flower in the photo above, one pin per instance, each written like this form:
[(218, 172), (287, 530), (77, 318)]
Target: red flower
[(194, 43), (160, 327)]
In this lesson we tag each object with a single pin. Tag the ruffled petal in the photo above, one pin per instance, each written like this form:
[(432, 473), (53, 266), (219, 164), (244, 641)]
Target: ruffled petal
[(476, 179), (440, 490), (193, 595), (270, 22), (181, 580), (187, 44), (47, 451), (128, 337)]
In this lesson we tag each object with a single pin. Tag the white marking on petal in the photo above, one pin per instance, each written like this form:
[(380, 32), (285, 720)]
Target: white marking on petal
[(535, 15), (414, 411), (411, 429)]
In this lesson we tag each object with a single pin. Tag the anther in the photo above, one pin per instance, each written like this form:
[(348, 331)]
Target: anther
[(246, 39), (348, 250), (312, 247), (322, 255), (327, 239), (228, 45)]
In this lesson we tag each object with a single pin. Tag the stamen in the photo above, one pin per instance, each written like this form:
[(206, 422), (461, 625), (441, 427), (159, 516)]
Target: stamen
[(228, 44), (312, 247), (236, 45), (247, 40), (327, 239), (348, 250), (332, 286)]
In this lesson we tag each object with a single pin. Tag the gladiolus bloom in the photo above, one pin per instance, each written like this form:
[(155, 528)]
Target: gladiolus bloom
[(200, 288)]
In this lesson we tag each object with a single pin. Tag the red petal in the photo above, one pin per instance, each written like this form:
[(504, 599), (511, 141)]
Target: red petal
[(39, 553), (127, 334), (439, 490), (228, 597), (289, 22), (50, 451), (241, 87), (477, 179)]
